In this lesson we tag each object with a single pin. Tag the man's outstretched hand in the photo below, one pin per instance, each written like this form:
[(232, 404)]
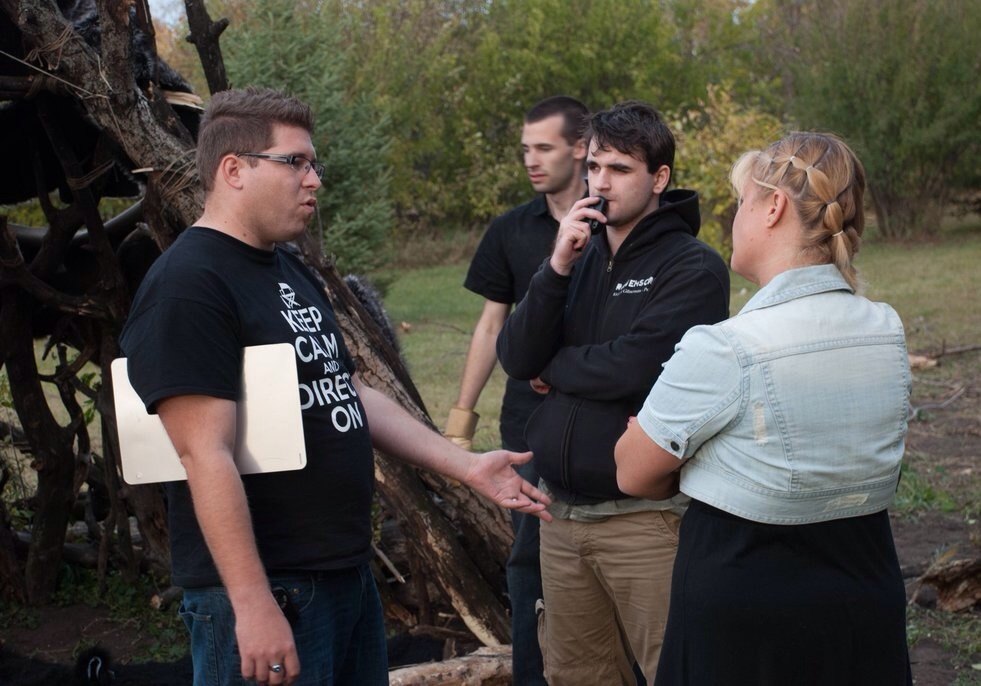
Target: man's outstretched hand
[(493, 476)]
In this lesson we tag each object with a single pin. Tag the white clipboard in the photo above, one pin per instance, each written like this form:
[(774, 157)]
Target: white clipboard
[(269, 435)]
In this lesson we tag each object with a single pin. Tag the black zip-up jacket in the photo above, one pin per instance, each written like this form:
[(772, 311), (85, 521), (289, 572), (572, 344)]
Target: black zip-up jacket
[(600, 336)]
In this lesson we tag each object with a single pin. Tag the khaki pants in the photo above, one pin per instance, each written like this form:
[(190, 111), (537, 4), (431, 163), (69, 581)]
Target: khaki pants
[(606, 585)]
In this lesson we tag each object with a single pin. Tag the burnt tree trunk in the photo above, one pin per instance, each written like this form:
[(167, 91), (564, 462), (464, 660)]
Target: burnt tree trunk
[(54, 457), (459, 540), (204, 36), (143, 124), (454, 566)]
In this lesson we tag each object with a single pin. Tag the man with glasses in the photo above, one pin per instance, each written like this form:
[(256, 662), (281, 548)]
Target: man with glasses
[(274, 566), (298, 162)]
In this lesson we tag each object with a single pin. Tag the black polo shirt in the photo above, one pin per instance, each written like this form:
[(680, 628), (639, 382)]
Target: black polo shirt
[(514, 247)]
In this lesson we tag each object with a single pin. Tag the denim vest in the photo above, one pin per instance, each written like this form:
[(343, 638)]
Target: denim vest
[(793, 411)]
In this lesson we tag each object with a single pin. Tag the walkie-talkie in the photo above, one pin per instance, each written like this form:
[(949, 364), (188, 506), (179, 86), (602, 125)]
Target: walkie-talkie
[(594, 224)]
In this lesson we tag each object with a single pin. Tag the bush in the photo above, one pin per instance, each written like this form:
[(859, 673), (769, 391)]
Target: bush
[(710, 139), (898, 79), (295, 47)]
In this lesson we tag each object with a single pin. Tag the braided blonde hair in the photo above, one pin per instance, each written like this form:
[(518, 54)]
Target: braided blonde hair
[(825, 182)]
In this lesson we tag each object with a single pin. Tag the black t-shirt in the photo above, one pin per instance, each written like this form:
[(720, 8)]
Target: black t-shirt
[(514, 247), (207, 297)]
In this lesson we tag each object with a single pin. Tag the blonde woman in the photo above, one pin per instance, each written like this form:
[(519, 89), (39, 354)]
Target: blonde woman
[(786, 426)]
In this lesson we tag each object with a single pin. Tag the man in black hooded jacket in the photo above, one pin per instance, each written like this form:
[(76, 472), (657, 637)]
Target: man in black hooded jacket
[(600, 318)]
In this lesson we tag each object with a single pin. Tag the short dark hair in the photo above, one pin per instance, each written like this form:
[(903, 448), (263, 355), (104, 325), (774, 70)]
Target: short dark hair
[(242, 120), (573, 112), (636, 129)]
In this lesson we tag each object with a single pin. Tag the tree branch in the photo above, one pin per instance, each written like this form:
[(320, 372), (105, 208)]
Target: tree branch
[(116, 105), (204, 36), (15, 273)]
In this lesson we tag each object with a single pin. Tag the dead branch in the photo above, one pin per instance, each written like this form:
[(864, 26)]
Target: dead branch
[(15, 87), (933, 359), (958, 350), (439, 632), (166, 598), (921, 361), (483, 667), (204, 36), (389, 565), (915, 411), (16, 273)]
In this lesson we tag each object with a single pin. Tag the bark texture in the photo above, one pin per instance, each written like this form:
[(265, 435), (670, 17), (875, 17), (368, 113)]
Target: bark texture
[(458, 542)]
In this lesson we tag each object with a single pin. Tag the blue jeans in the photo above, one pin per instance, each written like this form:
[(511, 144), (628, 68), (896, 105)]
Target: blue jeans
[(524, 575), (339, 636)]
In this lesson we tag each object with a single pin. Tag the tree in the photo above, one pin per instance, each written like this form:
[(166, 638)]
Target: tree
[(407, 54), (710, 139), (178, 52), (456, 77), (84, 312), (457, 540), (898, 79), (294, 46)]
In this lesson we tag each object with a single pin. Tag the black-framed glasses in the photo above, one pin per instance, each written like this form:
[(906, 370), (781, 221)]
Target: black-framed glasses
[(298, 162)]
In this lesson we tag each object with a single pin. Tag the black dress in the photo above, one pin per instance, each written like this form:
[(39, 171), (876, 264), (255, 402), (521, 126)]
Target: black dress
[(768, 605)]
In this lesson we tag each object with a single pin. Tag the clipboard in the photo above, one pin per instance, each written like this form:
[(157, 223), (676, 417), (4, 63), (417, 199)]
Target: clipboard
[(270, 423)]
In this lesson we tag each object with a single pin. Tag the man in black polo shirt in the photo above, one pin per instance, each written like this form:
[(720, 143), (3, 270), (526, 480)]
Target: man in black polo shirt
[(512, 250), (598, 322)]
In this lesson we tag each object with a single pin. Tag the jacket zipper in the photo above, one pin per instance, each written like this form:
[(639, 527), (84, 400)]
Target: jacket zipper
[(566, 440), (597, 324)]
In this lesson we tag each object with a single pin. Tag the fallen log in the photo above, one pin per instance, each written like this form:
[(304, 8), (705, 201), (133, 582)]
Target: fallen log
[(489, 666), (957, 583)]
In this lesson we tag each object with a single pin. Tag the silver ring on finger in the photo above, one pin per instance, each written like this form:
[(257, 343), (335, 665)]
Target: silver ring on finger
[(275, 669)]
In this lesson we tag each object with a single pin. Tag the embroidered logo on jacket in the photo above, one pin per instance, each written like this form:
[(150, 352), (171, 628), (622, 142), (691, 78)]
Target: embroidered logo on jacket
[(632, 286)]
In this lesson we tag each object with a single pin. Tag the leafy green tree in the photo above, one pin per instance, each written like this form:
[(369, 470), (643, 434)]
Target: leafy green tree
[(456, 77), (405, 56), (295, 46), (899, 80), (601, 51), (710, 139), (713, 45)]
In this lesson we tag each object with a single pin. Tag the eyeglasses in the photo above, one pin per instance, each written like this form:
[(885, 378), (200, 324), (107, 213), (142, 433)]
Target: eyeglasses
[(298, 162)]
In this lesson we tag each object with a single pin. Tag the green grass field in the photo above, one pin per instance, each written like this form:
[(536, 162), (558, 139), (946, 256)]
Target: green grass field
[(933, 286)]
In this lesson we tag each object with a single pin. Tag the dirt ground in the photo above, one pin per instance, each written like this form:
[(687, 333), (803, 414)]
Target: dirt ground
[(942, 450)]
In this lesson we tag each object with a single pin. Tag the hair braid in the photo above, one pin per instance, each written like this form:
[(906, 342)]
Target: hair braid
[(826, 184)]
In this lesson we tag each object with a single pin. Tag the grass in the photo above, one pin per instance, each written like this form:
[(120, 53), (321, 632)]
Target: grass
[(918, 492), (933, 286), (436, 316), (959, 632)]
